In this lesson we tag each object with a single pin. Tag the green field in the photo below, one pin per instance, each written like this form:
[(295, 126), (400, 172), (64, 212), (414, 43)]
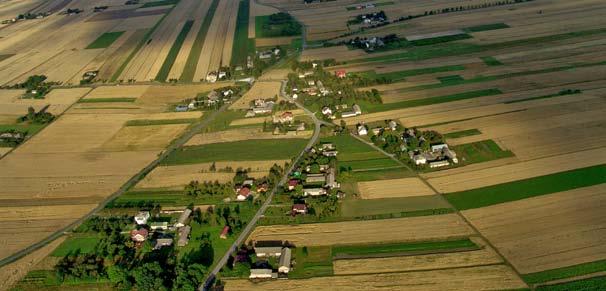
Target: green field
[(312, 262), (285, 26), (350, 148), (486, 27), (370, 164), (31, 129), (480, 151), (160, 3), (377, 249), (146, 122), (174, 51), (72, 245), (268, 149), (429, 101), (240, 47), (142, 198), (491, 61), (566, 272), (463, 133), (105, 40), (194, 55), (369, 207), (527, 188), (108, 100), (590, 284), (450, 79), (381, 174), (400, 75)]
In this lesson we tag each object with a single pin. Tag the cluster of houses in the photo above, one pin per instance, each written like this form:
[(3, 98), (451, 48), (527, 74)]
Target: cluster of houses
[(315, 87), (214, 76), (160, 230), (346, 112), (317, 184), (214, 97), (438, 156), (362, 129), (247, 189), (260, 106), (372, 18), (279, 251)]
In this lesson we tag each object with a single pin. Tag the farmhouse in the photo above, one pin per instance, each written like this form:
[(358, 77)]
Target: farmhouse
[(139, 235), (182, 221), (224, 232), (159, 225), (362, 129), (142, 217), (299, 209), (285, 117), (163, 242), (419, 159), (284, 263), (292, 183), (340, 74), (355, 111), (314, 192), (262, 274), (263, 252), (243, 193), (184, 235)]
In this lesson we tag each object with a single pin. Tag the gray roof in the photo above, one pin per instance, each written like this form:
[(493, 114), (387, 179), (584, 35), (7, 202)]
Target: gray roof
[(285, 257), (183, 235), (266, 250)]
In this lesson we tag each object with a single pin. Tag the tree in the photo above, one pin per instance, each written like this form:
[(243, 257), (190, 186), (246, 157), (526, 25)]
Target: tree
[(149, 277), (117, 274)]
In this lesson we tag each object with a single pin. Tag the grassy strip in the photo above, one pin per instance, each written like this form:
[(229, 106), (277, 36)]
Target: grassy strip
[(160, 3), (254, 150), (565, 272), (400, 75), (174, 51), (240, 47), (432, 100), (528, 188), (82, 245), (146, 122), (463, 133), (105, 40), (486, 27), (480, 151), (108, 100), (370, 164), (440, 39), (596, 283), (561, 93), (380, 174), (143, 41), (194, 55), (450, 79), (491, 61), (373, 249), (381, 206)]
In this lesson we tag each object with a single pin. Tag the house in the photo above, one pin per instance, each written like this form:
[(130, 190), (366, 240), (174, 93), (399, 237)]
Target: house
[(330, 153), (295, 96), (438, 164), (163, 242), (224, 232), (362, 129), (311, 82), (301, 126), (228, 92), (159, 225), (243, 193), (315, 178), (265, 55), (211, 77), (284, 117), (314, 192), (340, 74), (284, 263), (439, 147), (355, 111), (419, 159), (292, 183), (299, 209), (184, 235), (222, 75), (262, 274), (330, 179), (326, 110), (262, 188), (142, 217), (263, 252), (139, 235), (392, 125), (182, 221), (212, 98), (181, 108)]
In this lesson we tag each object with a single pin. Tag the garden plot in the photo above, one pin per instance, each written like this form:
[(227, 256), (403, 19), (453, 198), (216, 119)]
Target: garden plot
[(547, 232), (397, 188)]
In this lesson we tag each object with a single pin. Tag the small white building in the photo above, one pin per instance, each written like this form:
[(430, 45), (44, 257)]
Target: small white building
[(284, 263), (263, 252), (314, 192), (183, 218), (393, 125), (362, 129), (261, 274), (438, 164), (326, 110), (159, 225), (142, 217), (419, 160), (439, 147)]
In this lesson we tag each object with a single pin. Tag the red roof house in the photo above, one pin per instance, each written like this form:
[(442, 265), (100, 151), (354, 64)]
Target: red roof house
[(340, 73), (139, 235), (299, 209), (243, 193), (292, 183), (224, 232)]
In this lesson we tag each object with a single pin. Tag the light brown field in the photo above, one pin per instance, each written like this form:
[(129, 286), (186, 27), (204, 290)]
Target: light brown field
[(11, 274), (262, 90), (241, 134), (497, 277), (134, 91), (547, 232), (119, 56), (58, 100), (359, 232), (149, 137), (178, 176), (460, 179), (484, 256), (273, 41), (396, 188)]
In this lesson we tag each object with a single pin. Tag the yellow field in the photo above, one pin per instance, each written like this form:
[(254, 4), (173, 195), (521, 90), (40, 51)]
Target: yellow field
[(241, 134), (396, 188), (263, 90)]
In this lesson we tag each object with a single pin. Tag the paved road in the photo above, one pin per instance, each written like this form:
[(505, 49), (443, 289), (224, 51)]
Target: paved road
[(252, 223), (196, 128)]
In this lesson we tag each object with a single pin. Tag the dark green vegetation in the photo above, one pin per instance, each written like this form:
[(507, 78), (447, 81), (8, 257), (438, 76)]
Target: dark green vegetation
[(194, 55), (240, 47), (105, 40), (440, 39), (312, 262), (431, 100), (463, 133), (160, 3), (527, 188), (149, 198), (174, 51), (76, 244), (486, 27), (276, 25), (146, 122), (590, 284), (565, 272), (370, 164), (247, 150), (378, 4), (450, 79), (108, 100), (35, 87), (380, 249), (28, 128), (491, 61), (480, 151), (400, 75), (561, 93), (394, 207)]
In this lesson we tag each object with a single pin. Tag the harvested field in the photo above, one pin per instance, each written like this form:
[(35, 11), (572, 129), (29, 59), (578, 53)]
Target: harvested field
[(274, 41), (262, 90), (138, 138), (499, 277), (58, 100), (241, 134), (566, 229), (459, 179), (134, 91), (485, 256), (179, 176), (405, 187), (359, 232), (120, 55), (339, 53)]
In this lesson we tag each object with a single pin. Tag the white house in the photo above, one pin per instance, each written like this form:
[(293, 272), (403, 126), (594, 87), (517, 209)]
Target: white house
[(362, 129), (142, 217), (419, 160), (326, 110), (314, 192), (261, 274)]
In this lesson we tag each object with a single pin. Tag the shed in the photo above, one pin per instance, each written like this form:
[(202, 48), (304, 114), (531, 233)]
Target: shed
[(261, 274), (142, 217), (183, 218), (184, 236), (284, 263), (224, 232)]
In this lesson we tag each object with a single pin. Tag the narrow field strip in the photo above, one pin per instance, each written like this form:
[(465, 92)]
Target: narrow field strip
[(194, 55), (174, 51), (107, 100), (432, 100), (240, 47), (146, 122), (565, 272), (105, 40)]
